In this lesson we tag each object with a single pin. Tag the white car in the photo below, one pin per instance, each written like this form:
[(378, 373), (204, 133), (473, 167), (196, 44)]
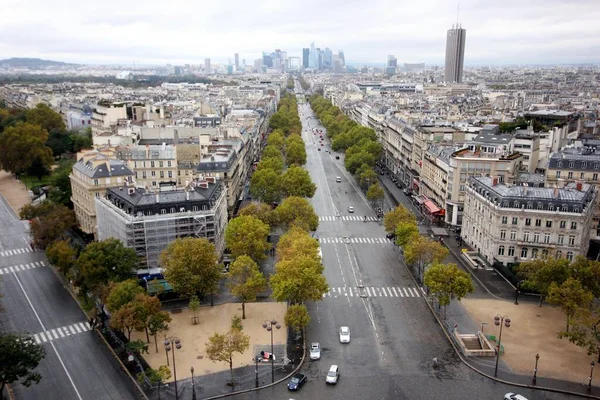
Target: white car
[(338, 179), (344, 334), (350, 209), (514, 396), (333, 375), (315, 351)]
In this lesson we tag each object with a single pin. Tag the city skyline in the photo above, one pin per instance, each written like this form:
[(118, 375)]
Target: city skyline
[(538, 33)]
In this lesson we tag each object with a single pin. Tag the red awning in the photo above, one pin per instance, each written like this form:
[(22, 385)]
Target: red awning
[(431, 207)]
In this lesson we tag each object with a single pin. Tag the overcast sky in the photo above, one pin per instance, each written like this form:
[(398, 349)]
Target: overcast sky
[(187, 31)]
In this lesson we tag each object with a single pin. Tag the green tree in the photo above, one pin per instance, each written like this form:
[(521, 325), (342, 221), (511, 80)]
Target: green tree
[(61, 183), (366, 176), (422, 251), (155, 377), (50, 223), (62, 255), (265, 185), (539, 274), (245, 280), (194, 305), (45, 117), (297, 242), (296, 182), (585, 329), (190, 265), (271, 163), (259, 210), (297, 317), (297, 211), (355, 160), (59, 142), (222, 347), (570, 297), (19, 357), (104, 261), (246, 235), (298, 280), (295, 154), (158, 323), (271, 152), (276, 139), (81, 141), (23, 146), (122, 293), (405, 233), (447, 282), (375, 193), (393, 218)]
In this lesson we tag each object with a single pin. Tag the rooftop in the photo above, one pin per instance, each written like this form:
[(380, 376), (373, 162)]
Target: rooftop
[(100, 166), (488, 138)]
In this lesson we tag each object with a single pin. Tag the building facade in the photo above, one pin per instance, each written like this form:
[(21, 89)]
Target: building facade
[(151, 164), (455, 54)]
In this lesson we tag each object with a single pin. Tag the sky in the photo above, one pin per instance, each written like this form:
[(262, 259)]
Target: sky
[(499, 32)]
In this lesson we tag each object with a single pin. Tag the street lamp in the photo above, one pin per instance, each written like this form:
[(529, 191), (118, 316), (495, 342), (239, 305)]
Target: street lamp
[(517, 292), (537, 358), (172, 343), (193, 385), (501, 321), (268, 325), (590, 378)]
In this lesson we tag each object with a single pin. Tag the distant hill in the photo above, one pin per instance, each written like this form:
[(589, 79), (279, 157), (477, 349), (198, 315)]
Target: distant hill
[(32, 63)]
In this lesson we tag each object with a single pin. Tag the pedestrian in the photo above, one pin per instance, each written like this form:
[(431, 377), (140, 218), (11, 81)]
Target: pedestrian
[(91, 322)]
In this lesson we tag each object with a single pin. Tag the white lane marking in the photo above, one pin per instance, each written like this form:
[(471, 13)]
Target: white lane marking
[(53, 332), (395, 293), (51, 344), (37, 339), (400, 291), (407, 295), (43, 337), (368, 293), (416, 292), (73, 330), (384, 292)]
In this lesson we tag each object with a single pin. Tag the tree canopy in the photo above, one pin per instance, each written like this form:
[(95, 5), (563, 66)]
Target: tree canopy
[(296, 242), (259, 210), (247, 235), (297, 211), (265, 185), (245, 280), (19, 357), (222, 346), (45, 117), (296, 181), (399, 214), (298, 280), (24, 146), (447, 282)]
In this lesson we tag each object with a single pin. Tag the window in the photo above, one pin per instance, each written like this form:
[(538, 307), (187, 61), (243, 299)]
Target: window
[(501, 250), (582, 175), (561, 239), (144, 174), (95, 182), (573, 225), (545, 253), (168, 163), (536, 237), (570, 175), (595, 177), (570, 256), (538, 222), (571, 240), (160, 164), (513, 235), (515, 220), (503, 234), (571, 164), (558, 174), (162, 174), (195, 208), (527, 221), (170, 174), (163, 211), (563, 224), (144, 164), (547, 238), (565, 208), (534, 253), (529, 205), (504, 220), (524, 252), (548, 224), (172, 210), (511, 251), (559, 164), (153, 183), (153, 173), (135, 164), (559, 254), (152, 164), (583, 165), (526, 236), (597, 166)]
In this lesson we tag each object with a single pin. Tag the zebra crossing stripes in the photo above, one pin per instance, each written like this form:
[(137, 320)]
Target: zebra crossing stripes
[(22, 267), (64, 331), (14, 252), (374, 291), (345, 218), (355, 240)]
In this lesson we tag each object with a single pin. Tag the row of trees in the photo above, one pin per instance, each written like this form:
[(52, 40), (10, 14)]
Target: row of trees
[(574, 287), (303, 83), (425, 255)]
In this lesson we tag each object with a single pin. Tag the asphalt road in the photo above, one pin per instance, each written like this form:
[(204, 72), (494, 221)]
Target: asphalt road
[(77, 364), (394, 338)]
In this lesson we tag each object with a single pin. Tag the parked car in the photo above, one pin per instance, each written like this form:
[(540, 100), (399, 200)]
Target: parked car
[(296, 382), (315, 351), (333, 375), (337, 157), (338, 178), (344, 334), (514, 396), (318, 148)]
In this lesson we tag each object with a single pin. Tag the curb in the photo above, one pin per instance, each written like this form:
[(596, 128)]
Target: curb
[(222, 396), (464, 361)]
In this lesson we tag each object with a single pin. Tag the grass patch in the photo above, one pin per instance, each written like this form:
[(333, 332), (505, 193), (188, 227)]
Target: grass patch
[(32, 181)]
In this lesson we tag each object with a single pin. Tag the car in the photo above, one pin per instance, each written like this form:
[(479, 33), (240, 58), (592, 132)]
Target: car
[(350, 209), (318, 148), (391, 236), (315, 351), (344, 334), (333, 375), (322, 144), (296, 382), (338, 178), (337, 157), (514, 396)]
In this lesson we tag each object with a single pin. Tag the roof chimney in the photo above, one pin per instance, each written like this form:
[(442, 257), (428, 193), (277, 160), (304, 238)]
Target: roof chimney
[(495, 181), (579, 186)]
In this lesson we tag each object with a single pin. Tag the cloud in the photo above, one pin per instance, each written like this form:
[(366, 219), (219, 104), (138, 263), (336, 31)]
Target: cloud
[(179, 31)]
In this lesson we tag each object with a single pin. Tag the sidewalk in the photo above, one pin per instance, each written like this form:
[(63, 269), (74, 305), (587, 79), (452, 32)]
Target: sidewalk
[(14, 192)]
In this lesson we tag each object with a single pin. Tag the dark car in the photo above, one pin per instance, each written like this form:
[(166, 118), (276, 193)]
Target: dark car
[(337, 157), (391, 236), (296, 382)]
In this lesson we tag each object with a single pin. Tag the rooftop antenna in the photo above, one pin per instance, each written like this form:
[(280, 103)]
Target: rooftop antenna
[(457, 11)]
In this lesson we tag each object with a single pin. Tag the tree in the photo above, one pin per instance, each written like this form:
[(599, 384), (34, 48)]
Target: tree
[(246, 235), (265, 185), (297, 242), (45, 117), (155, 376), (399, 214), (297, 317), (81, 141), (355, 160), (122, 293), (585, 329), (297, 211), (19, 356), (276, 139), (23, 145), (295, 154), (146, 307), (366, 176), (375, 193), (61, 183), (245, 280), (447, 282), (222, 346), (422, 251), (259, 210), (104, 261), (50, 222), (271, 151), (190, 265), (158, 323), (59, 142), (124, 319), (570, 296), (296, 182), (194, 305), (297, 280), (405, 233), (539, 274), (62, 255), (272, 163)]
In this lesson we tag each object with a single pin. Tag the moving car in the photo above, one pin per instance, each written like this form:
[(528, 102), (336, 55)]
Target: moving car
[(315, 351), (338, 178), (296, 382), (344, 334), (514, 396), (318, 148), (350, 209), (333, 375), (337, 157)]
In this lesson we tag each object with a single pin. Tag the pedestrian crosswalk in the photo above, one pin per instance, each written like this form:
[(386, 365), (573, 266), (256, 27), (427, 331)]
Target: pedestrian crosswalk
[(14, 252), (356, 240), (69, 330), (374, 291), (346, 218), (22, 267)]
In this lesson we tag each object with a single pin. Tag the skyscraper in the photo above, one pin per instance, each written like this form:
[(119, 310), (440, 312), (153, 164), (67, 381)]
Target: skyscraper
[(305, 57), (342, 58), (314, 57), (455, 54), (237, 61), (207, 65)]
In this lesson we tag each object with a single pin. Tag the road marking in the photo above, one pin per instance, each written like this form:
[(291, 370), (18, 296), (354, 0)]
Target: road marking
[(14, 252), (395, 293), (63, 331), (400, 291), (359, 240), (384, 292), (51, 344), (407, 295), (353, 218), (21, 267)]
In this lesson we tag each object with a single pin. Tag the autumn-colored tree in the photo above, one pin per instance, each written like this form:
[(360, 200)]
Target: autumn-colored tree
[(24, 145), (265, 185), (245, 280), (122, 293), (375, 194), (155, 377), (50, 223), (259, 210), (146, 307), (570, 297), (406, 232), (246, 235), (222, 346), (297, 242), (297, 317), (62, 255), (157, 324), (298, 280), (585, 329), (190, 265), (422, 251), (447, 282), (399, 214), (124, 319), (295, 153), (297, 211), (296, 181)]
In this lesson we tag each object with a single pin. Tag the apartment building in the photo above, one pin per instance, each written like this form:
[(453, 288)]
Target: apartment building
[(94, 172), (147, 222), (509, 224), (151, 164)]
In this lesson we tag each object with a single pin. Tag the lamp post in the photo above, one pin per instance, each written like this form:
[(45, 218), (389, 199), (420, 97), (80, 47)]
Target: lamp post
[(193, 384), (517, 291), (537, 358), (482, 325), (172, 343), (268, 325), (590, 378), (501, 321)]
